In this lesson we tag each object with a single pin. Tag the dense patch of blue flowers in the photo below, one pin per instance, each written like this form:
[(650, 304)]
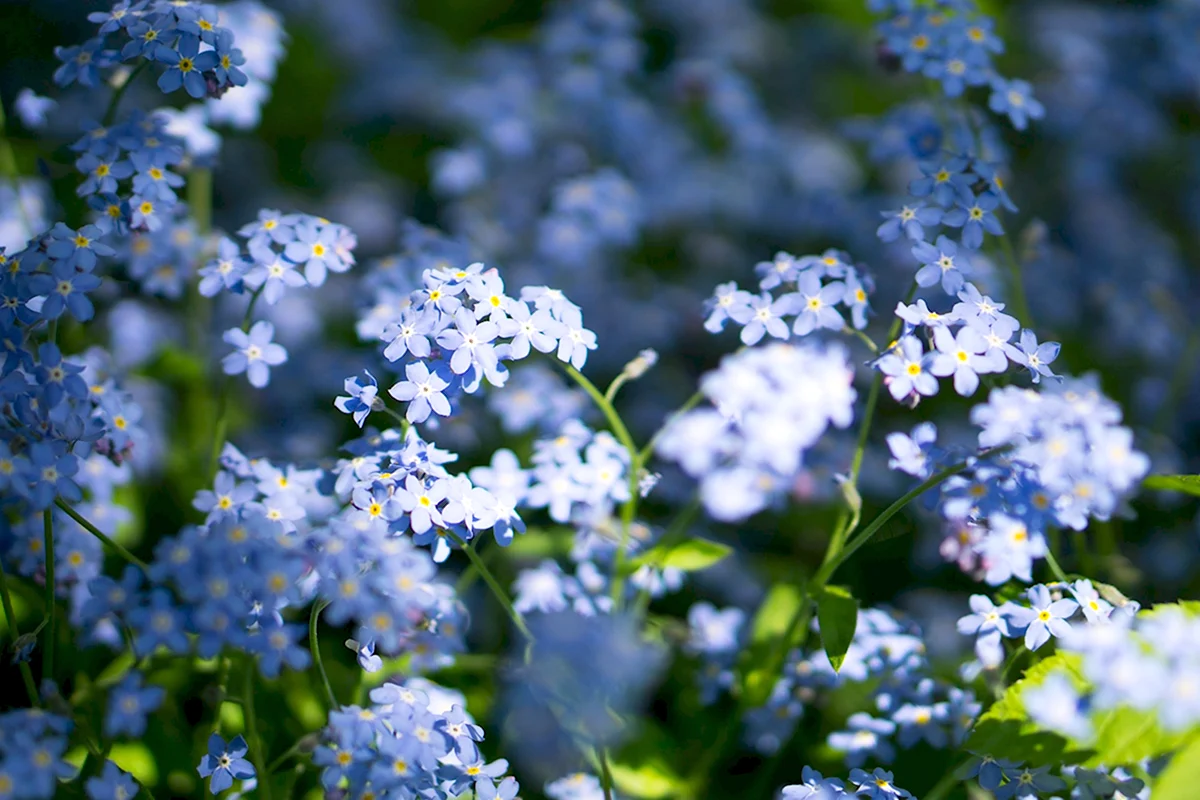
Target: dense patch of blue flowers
[(467, 445)]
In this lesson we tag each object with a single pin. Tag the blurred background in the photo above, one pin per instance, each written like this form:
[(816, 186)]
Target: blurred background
[(635, 155)]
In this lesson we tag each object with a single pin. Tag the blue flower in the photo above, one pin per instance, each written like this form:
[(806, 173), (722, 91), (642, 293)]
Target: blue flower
[(112, 783), (423, 391), (974, 216), (187, 66), (225, 762), (814, 305), (255, 354), (961, 356), (946, 183), (229, 60), (65, 290), (907, 368), (1055, 705), (876, 785), (129, 705), (1015, 98), (1046, 618), (909, 221), (865, 739), (1035, 357), (360, 400), (82, 63), (1029, 782), (942, 263), (763, 315), (225, 271)]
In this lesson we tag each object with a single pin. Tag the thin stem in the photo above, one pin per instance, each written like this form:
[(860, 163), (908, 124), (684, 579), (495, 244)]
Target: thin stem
[(629, 508), (946, 783), (256, 743), (862, 336), (1012, 662), (10, 616), (1052, 562), (493, 584), (1018, 287), (610, 413), (868, 532), (688, 405), (291, 751), (110, 113), (606, 779), (199, 194), (51, 627), (94, 531), (314, 645)]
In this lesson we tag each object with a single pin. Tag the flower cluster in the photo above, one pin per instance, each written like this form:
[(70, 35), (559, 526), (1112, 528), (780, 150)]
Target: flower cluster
[(772, 404), (875, 785), (951, 42), (33, 744), (1045, 616), (450, 336), (195, 52), (410, 742), (807, 289)]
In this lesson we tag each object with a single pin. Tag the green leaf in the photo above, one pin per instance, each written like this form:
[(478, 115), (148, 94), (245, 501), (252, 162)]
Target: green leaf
[(837, 615), (690, 556), (760, 662), (1188, 484), (1119, 736), (1181, 777), (1005, 730)]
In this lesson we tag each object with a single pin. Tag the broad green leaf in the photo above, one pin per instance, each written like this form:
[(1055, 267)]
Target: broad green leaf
[(761, 660), (1005, 730), (1188, 484), (690, 556), (1127, 735), (1119, 736), (837, 615), (1181, 779), (775, 614)]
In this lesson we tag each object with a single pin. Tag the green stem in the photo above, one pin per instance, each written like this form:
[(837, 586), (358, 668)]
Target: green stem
[(493, 584), (852, 546), (256, 742), (94, 531), (1052, 562), (629, 508), (314, 645), (693, 401), (283, 757), (110, 113), (946, 783), (1012, 662), (199, 195), (606, 779), (51, 589), (862, 336), (1019, 301), (10, 616)]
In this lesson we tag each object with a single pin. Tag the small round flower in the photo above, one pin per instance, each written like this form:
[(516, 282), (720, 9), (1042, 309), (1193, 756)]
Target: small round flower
[(255, 354)]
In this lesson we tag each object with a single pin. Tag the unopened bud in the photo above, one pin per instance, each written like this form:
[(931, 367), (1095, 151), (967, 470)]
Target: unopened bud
[(640, 365)]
